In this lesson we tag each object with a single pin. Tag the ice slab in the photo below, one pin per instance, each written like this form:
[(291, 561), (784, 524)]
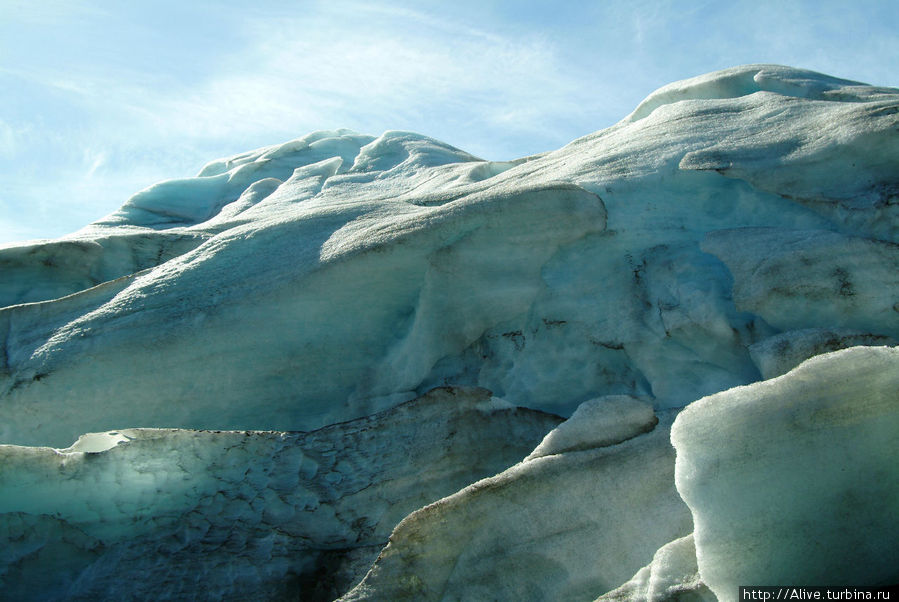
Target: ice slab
[(781, 353), (598, 423), (794, 480)]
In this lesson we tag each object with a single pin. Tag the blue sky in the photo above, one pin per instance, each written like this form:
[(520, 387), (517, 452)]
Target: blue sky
[(103, 98)]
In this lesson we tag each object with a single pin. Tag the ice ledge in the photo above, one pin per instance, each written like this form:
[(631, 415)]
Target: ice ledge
[(599, 422), (94, 443)]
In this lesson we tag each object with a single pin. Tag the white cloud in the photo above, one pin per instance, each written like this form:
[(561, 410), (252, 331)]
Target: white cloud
[(95, 160)]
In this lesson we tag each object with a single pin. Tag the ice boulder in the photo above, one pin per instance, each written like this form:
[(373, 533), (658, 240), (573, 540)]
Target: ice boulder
[(794, 480)]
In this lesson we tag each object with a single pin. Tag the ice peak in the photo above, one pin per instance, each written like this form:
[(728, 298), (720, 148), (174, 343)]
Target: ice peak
[(394, 148), (749, 79)]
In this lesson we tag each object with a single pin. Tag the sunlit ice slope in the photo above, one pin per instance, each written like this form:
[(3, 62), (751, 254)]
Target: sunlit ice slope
[(732, 226)]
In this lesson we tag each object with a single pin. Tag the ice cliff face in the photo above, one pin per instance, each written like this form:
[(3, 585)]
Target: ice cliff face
[(733, 226), (241, 514)]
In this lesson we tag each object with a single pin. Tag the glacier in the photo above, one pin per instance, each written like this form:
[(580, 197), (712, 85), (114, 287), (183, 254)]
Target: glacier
[(657, 363), (241, 514)]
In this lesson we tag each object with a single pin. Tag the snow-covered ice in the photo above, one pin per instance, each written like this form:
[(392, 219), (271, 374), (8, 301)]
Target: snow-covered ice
[(733, 226)]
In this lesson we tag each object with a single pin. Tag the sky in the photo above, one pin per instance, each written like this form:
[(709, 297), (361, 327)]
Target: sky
[(100, 99)]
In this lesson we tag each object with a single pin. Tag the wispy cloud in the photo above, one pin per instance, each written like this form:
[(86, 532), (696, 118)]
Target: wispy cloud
[(368, 67), (7, 140), (376, 69)]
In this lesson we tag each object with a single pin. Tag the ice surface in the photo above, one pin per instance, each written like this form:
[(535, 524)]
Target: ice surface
[(672, 575), (807, 278), (598, 423), (569, 526), (794, 479), (783, 352), (157, 513), (733, 226)]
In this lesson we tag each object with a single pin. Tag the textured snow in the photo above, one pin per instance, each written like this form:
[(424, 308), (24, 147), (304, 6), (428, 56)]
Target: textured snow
[(794, 479), (732, 227), (158, 513)]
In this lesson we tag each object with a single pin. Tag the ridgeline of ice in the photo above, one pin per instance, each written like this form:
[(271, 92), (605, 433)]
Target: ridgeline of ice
[(324, 279), (733, 226)]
